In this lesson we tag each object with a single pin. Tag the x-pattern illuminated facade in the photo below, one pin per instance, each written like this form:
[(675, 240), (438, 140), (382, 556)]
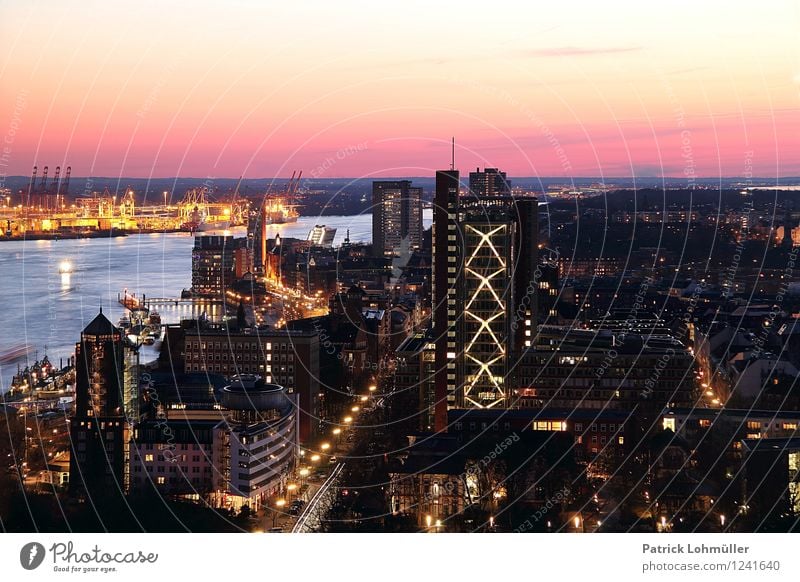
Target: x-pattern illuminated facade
[(485, 325), (485, 256)]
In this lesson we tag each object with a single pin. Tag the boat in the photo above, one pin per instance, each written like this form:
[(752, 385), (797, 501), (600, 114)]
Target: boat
[(277, 211), (155, 318), (322, 236), (41, 376), (210, 225)]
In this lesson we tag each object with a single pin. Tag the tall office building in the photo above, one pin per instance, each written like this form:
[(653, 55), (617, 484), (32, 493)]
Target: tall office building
[(286, 357), (106, 406), (484, 302), (396, 217), (490, 182), (212, 265)]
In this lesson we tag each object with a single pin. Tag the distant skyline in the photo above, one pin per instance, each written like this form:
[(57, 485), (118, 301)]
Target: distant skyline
[(369, 90)]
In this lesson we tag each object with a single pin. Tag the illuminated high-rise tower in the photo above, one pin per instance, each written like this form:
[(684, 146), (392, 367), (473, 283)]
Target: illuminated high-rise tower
[(484, 302), (106, 407), (490, 182), (396, 216)]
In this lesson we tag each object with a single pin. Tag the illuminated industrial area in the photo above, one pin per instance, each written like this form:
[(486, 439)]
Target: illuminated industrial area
[(47, 209)]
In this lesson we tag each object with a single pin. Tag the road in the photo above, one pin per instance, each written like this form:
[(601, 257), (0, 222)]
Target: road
[(311, 517)]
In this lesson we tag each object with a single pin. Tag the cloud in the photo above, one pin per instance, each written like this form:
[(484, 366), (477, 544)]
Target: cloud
[(574, 51)]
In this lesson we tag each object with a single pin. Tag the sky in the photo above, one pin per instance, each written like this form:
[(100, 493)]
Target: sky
[(362, 89)]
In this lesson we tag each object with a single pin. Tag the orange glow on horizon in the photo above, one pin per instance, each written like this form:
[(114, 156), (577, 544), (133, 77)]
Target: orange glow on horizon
[(545, 92)]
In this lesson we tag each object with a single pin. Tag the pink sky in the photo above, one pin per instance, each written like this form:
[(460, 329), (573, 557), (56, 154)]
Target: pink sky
[(351, 89)]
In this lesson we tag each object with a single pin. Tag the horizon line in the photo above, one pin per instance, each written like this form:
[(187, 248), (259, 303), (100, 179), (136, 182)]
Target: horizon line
[(375, 179)]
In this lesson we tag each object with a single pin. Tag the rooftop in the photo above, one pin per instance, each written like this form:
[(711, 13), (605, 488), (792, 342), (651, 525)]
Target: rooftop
[(100, 325)]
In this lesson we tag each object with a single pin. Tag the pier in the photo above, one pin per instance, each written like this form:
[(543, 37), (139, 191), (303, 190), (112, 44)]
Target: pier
[(174, 308)]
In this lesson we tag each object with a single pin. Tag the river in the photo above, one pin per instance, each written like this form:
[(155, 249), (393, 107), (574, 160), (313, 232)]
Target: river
[(47, 309)]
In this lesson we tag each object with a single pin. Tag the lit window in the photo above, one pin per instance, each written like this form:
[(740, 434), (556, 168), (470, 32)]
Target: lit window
[(148, 457), (549, 425), (571, 360)]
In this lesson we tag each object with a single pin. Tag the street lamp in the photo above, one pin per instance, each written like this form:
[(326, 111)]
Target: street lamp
[(355, 409), (325, 446), (278, 504), (348, 419), (314, 458)]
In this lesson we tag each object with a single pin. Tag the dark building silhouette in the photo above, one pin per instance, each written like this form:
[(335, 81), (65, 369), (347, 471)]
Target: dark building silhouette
[(106, 404), (445, 244), (396, 217)]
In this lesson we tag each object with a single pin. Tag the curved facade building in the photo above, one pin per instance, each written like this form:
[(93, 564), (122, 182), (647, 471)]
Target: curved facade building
[(256, 448)]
